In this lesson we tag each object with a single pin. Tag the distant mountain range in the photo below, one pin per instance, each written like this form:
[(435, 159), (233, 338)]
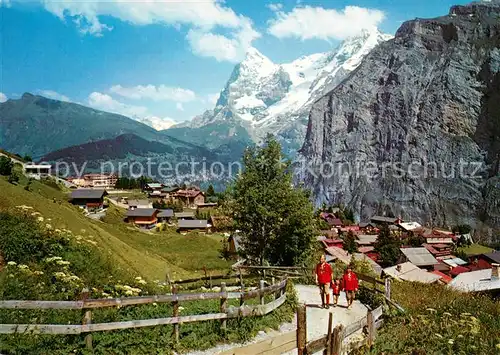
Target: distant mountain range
[(262, 97)]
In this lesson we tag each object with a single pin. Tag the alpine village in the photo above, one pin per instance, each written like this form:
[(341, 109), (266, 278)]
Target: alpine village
[(268, 249)]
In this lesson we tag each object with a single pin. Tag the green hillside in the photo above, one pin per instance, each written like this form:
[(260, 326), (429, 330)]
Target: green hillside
[(151, 255), (36, 125)]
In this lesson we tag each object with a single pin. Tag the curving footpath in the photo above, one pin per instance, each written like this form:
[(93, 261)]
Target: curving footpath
[(317, 320)]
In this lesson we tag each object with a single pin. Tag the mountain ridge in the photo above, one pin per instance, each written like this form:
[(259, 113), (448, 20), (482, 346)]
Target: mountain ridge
[(429, 95), (263, 97), (37, 125)]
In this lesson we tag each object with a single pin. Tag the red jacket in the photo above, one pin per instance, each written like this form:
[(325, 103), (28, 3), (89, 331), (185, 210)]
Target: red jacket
[(324, 272), (336, 288), (350, 282)]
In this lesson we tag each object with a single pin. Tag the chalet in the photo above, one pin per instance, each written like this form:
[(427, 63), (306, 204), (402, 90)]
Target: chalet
[(445, 279), (347, 229), (184, 215), (221, 223), (154, 189), (143, 217), (339, 243), (165, 216), (133, 204), (37, 171), (409, 226), (439, 250), (478, 281), (457, 270), (433, 236), (167, 192), (366, 239), (190, 197), (339, 254), (485, 261), (185, 225), (453, 262), (88, 198), (419, 256), (329, 234), (367, 227), (331, 220), (410, 272), (379, 220)]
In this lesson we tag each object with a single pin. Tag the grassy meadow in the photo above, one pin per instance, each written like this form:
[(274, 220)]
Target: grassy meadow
[(149, 254)]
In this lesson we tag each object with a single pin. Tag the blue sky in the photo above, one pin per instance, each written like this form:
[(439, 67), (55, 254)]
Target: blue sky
[(166, 60)]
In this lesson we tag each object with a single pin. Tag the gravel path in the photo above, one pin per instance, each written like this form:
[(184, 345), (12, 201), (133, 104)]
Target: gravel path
[(317, 320)]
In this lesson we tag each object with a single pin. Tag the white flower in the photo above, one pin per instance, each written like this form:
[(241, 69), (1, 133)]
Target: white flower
[(38, 272), (451, 341), (181, 308), (142, 282), (40, 219), (155, 304), (23, 266), (62, 262), (12, 263), (48, 226), (129, 293)]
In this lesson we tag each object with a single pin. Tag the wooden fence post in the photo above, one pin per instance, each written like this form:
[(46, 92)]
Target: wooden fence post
[(337, 339), (223, 304), (388, 288), (301, 329), (261, 293), (328, 350), (175, 313), (370, 321), (87, 319)]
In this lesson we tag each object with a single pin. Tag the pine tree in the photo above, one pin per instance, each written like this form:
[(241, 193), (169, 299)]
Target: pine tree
[(276, 220), (350, 243), (210, 191), (387, 246), (6, 166)]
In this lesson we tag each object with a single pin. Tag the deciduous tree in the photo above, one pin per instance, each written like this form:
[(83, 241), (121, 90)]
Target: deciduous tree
[(275, 220)]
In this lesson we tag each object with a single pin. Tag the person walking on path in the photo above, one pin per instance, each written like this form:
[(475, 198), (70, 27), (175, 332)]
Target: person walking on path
[(350, 284), (323, 280), (336, 288)]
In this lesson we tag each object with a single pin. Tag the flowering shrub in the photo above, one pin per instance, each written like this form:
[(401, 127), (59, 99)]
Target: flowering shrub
[(439, 320)]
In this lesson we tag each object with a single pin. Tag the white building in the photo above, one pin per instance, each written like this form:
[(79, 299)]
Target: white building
[(37, 171)]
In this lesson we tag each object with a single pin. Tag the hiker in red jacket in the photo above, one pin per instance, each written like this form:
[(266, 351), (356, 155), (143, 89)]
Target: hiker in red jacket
[(323, 280), (336, 288), (350, 285)]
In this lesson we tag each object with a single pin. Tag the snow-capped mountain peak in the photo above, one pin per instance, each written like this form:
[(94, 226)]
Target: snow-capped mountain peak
[(265, 97)]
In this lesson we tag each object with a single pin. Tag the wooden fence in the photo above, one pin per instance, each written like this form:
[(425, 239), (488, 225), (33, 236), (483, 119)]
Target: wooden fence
[(86, 305), (332, 343)]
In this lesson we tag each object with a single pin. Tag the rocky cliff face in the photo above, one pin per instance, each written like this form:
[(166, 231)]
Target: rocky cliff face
[(415, 129)]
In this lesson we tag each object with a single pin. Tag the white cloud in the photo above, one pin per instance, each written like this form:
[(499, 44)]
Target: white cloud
[(203, 17), (3, 97), (105, 102), (274, 6), (212, 98), (5, 3), (158, 123), (179, 106), (223, 48), (152, 92), (51, 94), (316, 22)]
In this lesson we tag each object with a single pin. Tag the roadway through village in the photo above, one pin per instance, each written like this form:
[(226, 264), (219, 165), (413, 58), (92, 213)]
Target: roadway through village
[(317, 320)]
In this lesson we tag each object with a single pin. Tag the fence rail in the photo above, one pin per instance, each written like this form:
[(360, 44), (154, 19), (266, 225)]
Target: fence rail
[(86, 305)]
